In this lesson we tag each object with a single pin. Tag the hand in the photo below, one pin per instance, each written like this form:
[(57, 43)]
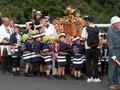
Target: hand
[(38, 55), (51, 53), (13, 52), (118, 63), (6, 38)]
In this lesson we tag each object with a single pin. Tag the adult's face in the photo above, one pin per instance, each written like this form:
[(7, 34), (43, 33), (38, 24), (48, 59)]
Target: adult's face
[(86, 23), (117, 25), (6, 21), (38, 16), (11, 23), (43, 22)]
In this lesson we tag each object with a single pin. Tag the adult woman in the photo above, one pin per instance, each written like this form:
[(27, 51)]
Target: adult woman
[(15, 41)]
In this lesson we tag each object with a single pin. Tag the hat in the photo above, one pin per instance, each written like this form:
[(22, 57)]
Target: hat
[(62, 34), (81, 39), (88, 18), (16, 25), (115, 19), (38, 35), (29, 22), (24, 37), (38, 26), (38, 13), (76, 38), (33, 32), (45, 38), (47, 17), (57, 37)]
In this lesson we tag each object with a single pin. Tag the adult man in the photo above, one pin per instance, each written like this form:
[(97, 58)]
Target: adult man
[(113, 41), (92, 53), (37, 17), (4, 45), (49, 29), (11, 26)]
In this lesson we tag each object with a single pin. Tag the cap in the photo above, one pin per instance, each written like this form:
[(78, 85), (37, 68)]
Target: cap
[(38, 35), (76, 38), (24, 37), (47, 17), (33, 32), (115, 19), (57, 37), (45, 38), (16, 25), (38, 13), (62, 34), (29, 22), (38, 26), (88, 18)]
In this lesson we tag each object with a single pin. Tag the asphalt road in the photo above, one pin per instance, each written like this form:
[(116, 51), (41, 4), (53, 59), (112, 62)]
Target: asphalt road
[(10, 82)]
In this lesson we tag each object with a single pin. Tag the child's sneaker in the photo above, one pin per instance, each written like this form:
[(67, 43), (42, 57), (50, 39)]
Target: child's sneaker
[(64, 78), (47, 76), (76, 78), (59, 78), (81, 78)]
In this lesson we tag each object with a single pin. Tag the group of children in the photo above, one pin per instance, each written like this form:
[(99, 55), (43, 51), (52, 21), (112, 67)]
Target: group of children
[(39, 53)]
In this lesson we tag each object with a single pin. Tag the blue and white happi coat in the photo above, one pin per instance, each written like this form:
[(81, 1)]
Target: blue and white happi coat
[(77, 58), (47, 58)]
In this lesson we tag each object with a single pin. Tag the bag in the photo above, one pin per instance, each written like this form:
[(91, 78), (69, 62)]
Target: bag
[(93, 36), (5, 53)]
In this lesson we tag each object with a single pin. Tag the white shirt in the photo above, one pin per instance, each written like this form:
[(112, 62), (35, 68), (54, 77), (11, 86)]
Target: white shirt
[(4, 34), (51, 31), (85, 35)]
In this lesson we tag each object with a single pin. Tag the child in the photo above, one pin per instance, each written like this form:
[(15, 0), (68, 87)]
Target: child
[(63, 48), (26, 47), (55, 50), (15, 41), (104, 60), (36, 54), (47, 50), (77, 59)]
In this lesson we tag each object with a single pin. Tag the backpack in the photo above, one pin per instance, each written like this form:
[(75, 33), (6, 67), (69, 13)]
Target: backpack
[(93, 38)]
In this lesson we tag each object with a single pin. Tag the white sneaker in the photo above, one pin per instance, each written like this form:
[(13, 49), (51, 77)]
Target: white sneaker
[(90, 79), (97, 80)]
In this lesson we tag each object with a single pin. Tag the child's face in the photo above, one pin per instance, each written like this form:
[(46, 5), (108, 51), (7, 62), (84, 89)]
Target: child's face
[(77, 41), (39, 39), (77, 14), (16, 29), (62, 38)]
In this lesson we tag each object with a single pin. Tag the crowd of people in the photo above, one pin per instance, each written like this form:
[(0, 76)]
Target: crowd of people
[(44, 51)]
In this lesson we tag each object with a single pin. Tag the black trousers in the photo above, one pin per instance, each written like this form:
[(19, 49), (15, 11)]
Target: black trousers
[(6, 64), (92, 55), (104, 69)]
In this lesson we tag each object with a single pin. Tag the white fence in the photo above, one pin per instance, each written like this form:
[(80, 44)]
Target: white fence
[(99, 25)]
